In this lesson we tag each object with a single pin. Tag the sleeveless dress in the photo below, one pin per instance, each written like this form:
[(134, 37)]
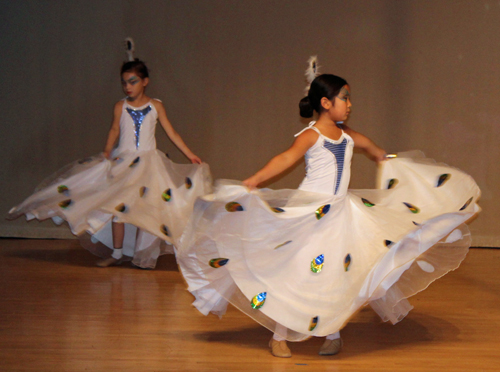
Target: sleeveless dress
[(140, 186), (309, 259)]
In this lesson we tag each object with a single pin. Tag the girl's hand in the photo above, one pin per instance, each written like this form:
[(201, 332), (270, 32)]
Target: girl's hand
[(376, 154), (379, 155), (251, 182), (194, 159), (107, 154)]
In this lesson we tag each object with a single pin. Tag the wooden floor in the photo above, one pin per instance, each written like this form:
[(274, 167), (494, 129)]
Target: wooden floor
[(58, 312)]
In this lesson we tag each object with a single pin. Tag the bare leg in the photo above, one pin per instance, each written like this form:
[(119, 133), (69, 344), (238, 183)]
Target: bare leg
[(118, 230), (118, 234)]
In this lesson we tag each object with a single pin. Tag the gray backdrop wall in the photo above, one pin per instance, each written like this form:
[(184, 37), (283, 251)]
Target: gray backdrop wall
[(424, 75)]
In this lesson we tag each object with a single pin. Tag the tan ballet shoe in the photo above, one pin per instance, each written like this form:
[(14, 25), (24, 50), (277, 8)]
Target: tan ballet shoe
[(331, 347), (279, 349), (110, 261)]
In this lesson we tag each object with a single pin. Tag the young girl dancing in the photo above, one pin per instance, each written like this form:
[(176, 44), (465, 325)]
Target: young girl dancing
[(302, 262), (132, 198)]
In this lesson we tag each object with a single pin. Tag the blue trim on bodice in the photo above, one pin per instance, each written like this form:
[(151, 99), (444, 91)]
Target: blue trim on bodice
[(338, 150), (138, 117)]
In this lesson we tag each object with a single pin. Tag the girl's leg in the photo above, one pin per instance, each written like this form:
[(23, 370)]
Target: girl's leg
[(118, 230), (280, 332), (118, 235), (278, 344), (332, 344), (333, 336)]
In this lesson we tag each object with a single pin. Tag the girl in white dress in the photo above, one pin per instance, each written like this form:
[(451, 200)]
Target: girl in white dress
[(303, 262), (131, 199)]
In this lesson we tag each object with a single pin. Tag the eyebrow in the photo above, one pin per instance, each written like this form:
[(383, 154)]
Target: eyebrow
[(345, 91), (133, 78), (343, 94)]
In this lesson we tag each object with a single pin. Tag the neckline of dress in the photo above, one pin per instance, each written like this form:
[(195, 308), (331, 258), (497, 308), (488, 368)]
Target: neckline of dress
[(312, 124), (138, 107)]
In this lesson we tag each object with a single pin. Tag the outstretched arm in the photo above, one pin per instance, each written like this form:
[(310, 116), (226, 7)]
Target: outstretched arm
[(285, 160), (114, 131), (371, 150), (172, 134)]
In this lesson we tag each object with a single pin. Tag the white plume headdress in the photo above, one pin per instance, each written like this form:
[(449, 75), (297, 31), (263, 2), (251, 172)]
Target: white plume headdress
[(129, 48), (312, 71)]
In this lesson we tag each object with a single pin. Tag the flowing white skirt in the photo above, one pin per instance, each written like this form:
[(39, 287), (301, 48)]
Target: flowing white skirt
[(309, 261), (148, 192)]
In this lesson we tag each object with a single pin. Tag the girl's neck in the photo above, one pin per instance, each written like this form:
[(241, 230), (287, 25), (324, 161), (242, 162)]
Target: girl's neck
[(138, 101), (325, 121), (328, 127)]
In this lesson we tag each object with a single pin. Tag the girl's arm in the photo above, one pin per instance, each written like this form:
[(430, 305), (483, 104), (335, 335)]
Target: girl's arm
[(172, 134), (114, 131), (284, 160), (371, 150)]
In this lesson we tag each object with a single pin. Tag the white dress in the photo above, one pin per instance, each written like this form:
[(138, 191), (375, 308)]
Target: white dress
[(140, 187), (308, 259)]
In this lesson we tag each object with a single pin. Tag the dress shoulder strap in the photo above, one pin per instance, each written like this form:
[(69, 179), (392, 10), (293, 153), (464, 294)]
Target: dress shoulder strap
[(310, 126)]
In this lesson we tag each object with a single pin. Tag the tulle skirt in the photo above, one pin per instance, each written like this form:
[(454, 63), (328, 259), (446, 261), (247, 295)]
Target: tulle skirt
[(148, 192), (308, 261)]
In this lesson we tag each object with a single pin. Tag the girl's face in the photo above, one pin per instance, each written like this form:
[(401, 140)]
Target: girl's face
[(339, 108), (133, 86)]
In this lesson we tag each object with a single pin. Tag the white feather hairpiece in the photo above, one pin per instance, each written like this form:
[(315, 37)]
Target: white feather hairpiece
[(312, 71), (129, 48)]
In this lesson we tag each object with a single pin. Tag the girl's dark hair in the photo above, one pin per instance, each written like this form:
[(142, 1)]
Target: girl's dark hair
[(325, 85), (136, 66)]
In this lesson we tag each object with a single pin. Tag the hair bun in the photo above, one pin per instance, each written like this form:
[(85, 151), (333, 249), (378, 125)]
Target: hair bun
[(306, 109)]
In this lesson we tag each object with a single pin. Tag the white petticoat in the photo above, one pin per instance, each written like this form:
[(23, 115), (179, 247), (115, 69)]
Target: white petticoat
[(145, 190), (308, 261)]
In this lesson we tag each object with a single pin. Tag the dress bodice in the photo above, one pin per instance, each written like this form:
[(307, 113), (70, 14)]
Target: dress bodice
[(328, 164), (137, 128)]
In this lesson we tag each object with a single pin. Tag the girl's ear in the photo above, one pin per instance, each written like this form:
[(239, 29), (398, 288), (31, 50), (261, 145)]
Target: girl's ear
[(326, 103), (145, 82)]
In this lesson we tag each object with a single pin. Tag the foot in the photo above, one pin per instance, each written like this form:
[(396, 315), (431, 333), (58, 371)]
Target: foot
[(110, 261), (279, 349), (331, 347)]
